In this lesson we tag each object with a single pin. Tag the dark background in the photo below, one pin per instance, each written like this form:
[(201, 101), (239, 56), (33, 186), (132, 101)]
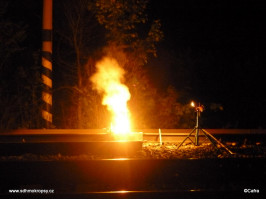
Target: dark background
[(216, 51), (212, 52)]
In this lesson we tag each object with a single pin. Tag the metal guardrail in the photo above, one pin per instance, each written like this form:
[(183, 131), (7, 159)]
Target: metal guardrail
[(81, 135), (144, 131), (177, 135)]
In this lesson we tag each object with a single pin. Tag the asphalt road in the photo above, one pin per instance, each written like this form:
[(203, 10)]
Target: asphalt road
[(203, 178)]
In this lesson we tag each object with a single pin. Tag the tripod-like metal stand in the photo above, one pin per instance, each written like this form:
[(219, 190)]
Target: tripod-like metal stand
[(209, 136)]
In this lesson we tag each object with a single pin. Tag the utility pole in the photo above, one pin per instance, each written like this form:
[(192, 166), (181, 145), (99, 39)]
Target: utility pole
[(46, 75)]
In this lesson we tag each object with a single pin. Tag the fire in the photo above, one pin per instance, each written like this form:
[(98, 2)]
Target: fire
[(108, 81)]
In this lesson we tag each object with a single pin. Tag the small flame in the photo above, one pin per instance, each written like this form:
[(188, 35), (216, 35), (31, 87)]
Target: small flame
[(108, 81), (192, 104)]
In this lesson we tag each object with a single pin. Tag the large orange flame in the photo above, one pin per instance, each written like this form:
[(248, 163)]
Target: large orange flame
[(108, 81)]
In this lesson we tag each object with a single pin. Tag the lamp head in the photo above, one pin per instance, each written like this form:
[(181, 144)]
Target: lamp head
[(198, 108)]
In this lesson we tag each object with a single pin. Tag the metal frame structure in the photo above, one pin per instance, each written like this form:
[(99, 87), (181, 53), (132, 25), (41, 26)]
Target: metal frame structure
[(197, 130)]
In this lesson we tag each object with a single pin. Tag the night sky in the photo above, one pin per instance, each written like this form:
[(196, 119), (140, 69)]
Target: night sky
[(213, 51)]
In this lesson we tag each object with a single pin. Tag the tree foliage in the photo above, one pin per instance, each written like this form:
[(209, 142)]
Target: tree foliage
[(122, 30), (126, 23)]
